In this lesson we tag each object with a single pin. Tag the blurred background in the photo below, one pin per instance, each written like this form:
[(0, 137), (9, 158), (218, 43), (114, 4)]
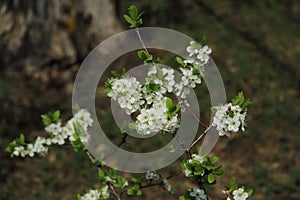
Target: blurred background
[(256, 46)]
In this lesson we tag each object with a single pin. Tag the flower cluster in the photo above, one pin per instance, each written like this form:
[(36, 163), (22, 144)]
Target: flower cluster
[(198, 54), (229, 118), (193, 68), (234, 192), (147, 102), (167, 185), (194, 194), (237, 194), (195, 159), (96, 194), (198, 194), (152, 176), (58, 135), (164, 77), (240, 194), (31, 149), (127, 91), (155, 119)]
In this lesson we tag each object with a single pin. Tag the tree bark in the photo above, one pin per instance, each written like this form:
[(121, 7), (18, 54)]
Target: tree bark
[(38, 33)]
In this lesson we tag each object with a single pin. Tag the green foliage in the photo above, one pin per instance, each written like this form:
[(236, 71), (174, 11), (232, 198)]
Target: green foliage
[(152, 87), (136, 188), (172, 149), (142, 54), (133, 17), (116, 75), (206, 170), (241, 101), (173, 108), (179, 60), (111, 176), (203, 40), (50, 117), (234, 186), (77, 144), (20, 141)]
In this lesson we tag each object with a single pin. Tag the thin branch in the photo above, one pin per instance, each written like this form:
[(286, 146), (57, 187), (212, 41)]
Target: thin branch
[(199, 138), (114, 191), (137, 30), (191, 112)]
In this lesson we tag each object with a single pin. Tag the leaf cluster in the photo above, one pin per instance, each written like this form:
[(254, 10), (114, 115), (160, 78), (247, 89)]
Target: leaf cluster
[(173, 108), (50, 117), (134, 17), (241, 101), (206, 170), (19, 141)]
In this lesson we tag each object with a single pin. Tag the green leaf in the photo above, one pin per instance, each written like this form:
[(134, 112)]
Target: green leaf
[(139, 193), (249, 191), (211, 178), (128, 19), (179, 60), (171, 149), (178, 107), (182, 198), (101, 176), (214, 159), (239, 99), (158, 60), (56, 115), (203, 40), (169, 103), (152, 87), (133, 12), (142, 54), (246, 103), (130, 191), (46, 120), (133, 17), (233, 184), (50, 118)]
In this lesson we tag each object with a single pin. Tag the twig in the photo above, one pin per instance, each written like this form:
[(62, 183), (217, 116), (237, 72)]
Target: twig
[(199, 138), (137, 30), (114, 191)]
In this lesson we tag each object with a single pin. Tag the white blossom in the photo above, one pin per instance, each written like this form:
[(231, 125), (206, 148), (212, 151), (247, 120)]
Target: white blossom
[(152, 175), (127, 91), (198, 55), (91, 195), (228, 118), (54, 128), (198, 194), (58, 135), (155, 119), (189, 78), (167, 185), (240, 194), (198, 158)]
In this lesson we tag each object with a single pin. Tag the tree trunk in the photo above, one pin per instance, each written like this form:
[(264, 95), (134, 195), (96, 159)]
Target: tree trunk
[(38, 33)]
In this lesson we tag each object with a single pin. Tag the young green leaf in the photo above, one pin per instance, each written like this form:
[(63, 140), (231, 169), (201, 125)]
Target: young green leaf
[(233, 184), (211, 178), (203, 40), (133, 17), (169, 103), (171, 149), (179, 60)]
